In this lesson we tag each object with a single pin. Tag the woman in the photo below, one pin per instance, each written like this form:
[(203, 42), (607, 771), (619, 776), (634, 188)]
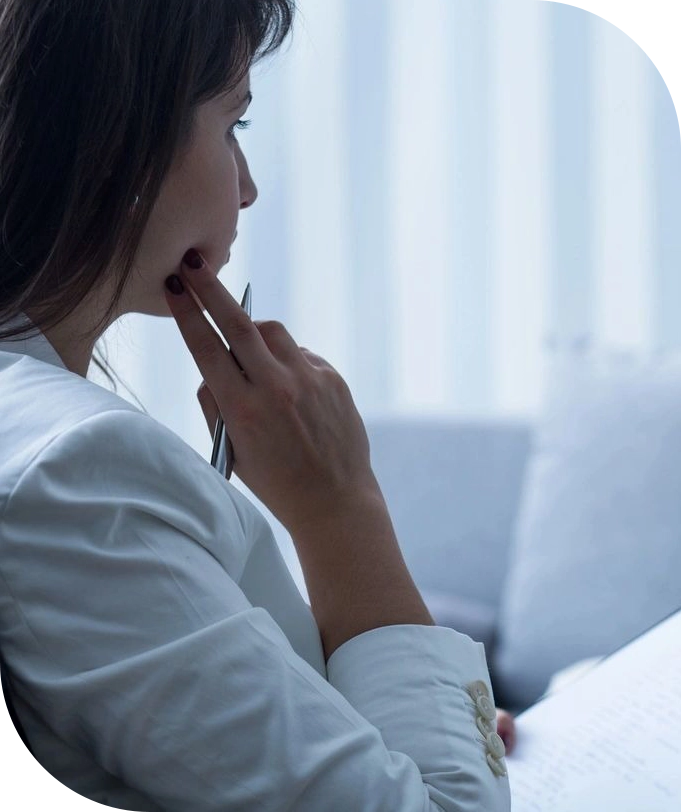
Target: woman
[(160, 656)]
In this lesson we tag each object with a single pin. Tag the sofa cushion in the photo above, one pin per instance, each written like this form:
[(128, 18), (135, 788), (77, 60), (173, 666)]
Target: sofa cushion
[(476, 619), (452, 486), (596, 555)]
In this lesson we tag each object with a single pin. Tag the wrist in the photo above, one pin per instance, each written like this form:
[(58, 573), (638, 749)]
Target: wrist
[(355, 574), (337, 507)]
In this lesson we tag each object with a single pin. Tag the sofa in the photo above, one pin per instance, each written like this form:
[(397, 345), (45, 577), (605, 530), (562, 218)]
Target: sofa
[(552, 540), (453, 488)]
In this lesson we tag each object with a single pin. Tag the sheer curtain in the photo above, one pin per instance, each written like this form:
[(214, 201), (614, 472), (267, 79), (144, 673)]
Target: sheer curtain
[(448, 190)]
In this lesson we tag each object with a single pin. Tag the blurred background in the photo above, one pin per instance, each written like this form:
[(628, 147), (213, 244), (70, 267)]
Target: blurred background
[(449, 191)]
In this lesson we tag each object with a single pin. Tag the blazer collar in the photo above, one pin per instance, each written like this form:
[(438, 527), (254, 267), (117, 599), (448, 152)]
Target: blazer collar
[(33, 343)]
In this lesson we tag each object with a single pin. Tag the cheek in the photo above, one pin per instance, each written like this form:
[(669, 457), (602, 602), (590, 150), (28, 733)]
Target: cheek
[(208, 195), (200, 210), (212, 223)]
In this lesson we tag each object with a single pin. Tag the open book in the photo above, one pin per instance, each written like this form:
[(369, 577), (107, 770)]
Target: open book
[(612, 739)]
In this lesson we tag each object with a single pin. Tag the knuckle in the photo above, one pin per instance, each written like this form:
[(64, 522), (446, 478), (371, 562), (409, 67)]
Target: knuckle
[(243, 412), (272, 331), (271, 326), (207, 350), (238, 326), (246, 414), (284, 394), (334, 380)]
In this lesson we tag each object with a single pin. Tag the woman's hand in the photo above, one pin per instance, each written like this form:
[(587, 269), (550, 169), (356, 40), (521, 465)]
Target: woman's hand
[(208, 406), (299, 442), (301, 447)]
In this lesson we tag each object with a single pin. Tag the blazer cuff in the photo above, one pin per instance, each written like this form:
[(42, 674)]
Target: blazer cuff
[(412, 682)]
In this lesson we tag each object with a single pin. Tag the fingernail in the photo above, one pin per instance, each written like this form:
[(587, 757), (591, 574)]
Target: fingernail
[(174, 285), (193, 259)]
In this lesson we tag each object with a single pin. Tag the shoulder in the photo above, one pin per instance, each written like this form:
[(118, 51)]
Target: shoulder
[(42, 401), (127, 456), (73, 445), (49, 413)]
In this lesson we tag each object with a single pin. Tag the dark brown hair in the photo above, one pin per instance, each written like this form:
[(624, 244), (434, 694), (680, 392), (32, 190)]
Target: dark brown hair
[(97, 98)]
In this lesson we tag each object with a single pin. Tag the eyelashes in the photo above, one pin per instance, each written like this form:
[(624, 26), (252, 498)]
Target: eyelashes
[(240, 125)]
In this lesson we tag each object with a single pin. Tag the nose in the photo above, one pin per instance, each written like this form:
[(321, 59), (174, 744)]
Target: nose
[(248, 191)]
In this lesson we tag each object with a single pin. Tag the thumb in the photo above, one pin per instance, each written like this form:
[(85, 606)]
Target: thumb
[(208, 406)]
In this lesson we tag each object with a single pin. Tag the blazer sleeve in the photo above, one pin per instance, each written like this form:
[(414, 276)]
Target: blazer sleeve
[(123, 554)]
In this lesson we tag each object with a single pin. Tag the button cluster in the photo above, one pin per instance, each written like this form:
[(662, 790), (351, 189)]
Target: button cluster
[(485, 716)]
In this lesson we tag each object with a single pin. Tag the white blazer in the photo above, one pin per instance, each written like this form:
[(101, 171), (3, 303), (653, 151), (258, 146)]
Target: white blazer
[(160, 654)]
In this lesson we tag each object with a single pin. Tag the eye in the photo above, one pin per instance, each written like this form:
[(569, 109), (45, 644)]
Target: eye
[(240, 125)]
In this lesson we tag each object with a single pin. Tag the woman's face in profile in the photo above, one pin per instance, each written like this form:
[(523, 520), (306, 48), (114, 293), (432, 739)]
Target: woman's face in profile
[(199, 203)]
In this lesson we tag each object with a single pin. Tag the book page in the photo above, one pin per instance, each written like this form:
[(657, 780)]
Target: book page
[(610, 740)]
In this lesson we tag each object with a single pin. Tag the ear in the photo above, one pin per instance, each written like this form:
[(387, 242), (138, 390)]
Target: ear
[(208, 406)]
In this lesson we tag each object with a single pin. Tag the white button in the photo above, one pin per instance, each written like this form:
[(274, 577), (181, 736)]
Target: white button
[(478, 688), (496, 766), (484, 727), (495, 745), (486, 708)]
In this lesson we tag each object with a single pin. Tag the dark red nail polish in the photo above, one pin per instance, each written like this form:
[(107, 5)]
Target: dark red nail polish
[(174, 285), (193, 259)]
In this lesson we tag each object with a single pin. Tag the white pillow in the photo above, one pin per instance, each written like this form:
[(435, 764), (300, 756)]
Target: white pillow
[(596, 557)]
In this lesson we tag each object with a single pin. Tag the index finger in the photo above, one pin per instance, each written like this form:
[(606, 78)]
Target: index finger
[(241, 334), (215, 362)]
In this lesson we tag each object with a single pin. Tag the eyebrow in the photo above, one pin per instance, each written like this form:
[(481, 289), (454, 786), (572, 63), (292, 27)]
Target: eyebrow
[(247, 98)]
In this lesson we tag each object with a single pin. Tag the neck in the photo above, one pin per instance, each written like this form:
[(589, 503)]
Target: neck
[(74, 337), (75, 355), (73, 340), (74, 351)]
